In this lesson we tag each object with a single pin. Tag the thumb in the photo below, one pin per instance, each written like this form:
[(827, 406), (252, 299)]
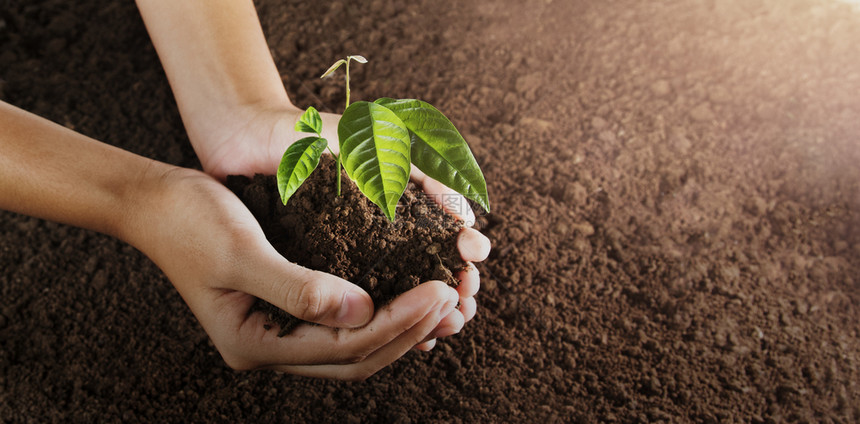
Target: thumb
[(310, 295)]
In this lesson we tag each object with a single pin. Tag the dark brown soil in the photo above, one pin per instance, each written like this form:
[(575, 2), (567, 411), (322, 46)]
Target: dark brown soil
[(675, 189), (350, 237)]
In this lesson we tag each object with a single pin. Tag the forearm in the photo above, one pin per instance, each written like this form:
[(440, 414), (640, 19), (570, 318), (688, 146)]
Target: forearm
[(216, 59), (54, 173)]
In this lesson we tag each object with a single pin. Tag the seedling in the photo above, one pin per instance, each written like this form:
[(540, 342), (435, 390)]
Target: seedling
[(379, 142)]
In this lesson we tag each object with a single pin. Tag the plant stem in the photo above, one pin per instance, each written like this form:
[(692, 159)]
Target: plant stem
[(338, 175), (347, 83), (338, 168), (344, 108)]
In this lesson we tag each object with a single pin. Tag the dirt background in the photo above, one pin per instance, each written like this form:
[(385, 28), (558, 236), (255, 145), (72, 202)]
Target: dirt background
[(675, 226)]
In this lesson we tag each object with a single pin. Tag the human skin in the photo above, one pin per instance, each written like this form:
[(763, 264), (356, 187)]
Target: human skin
[(202, 237), (237, 113), (215, 253)]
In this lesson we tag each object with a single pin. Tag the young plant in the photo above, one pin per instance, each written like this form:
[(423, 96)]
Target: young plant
[(379, 142)]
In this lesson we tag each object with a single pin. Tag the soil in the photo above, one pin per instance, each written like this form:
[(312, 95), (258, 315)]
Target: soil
[(350, 237), (675, 225)]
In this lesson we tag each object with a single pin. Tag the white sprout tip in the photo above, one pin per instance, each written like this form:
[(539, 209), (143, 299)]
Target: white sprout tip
[(332, 68)]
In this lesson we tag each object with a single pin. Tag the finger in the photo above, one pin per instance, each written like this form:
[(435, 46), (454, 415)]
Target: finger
[(473, 245), (306, 294), (470, 281), (468, 307), (377, 360), (316, 345), (450, 325), (426, 346), (452, 202)]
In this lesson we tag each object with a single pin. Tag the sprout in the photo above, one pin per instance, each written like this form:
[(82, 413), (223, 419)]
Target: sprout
[(379, 142)]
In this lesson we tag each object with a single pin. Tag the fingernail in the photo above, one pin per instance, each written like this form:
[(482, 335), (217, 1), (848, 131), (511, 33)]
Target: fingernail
[(353, 310)]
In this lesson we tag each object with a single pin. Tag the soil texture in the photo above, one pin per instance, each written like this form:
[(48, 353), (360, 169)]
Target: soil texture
[(676, 205), (350, 237)]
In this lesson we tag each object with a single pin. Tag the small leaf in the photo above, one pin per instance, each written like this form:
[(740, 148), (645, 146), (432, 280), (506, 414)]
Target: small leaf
[(333, 68), (439, 150), (300, 159), (374, 147), (310, 122), (358, 58)]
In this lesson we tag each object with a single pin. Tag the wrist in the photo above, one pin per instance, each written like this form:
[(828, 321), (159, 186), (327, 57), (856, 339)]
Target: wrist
[(146, 202), (219, 67), (221, 120), (244, 141)]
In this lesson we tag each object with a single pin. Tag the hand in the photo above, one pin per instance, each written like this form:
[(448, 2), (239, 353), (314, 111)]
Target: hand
[(237, 113), (254, 140), (216, 255)]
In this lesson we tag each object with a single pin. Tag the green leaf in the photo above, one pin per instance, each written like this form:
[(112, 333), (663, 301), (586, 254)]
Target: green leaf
[(439, 150), (300, 159), (374, 147), (310, 122), (333, 68), (357, 58)]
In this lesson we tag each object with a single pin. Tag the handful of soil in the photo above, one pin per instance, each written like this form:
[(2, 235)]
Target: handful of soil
[(348, 236)]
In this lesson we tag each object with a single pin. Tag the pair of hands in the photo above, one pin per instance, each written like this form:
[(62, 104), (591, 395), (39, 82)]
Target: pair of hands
[(216, 255)]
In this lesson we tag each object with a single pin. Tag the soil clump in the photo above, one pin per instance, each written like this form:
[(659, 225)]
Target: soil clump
[(348, 236)]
